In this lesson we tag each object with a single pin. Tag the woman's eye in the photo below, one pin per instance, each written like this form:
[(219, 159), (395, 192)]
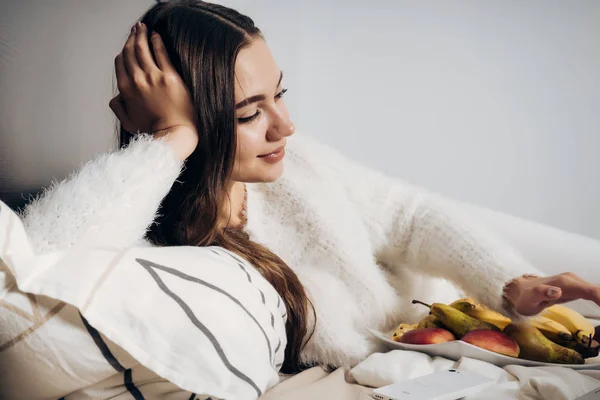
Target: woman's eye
[(280, 94), (244, 120)]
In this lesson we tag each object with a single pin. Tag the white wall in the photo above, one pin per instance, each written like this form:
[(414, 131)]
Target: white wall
[(493, 102), (56, 79)]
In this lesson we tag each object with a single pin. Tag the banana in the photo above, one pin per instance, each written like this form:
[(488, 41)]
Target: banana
[(552, 329), (482, 313), (585, 346), (463, 300), (581, 337), (401, 330), (575, 323)]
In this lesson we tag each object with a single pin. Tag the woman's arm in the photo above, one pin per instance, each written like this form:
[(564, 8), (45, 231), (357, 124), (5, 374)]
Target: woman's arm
[(409, 225), (110, 201), (424, 230)]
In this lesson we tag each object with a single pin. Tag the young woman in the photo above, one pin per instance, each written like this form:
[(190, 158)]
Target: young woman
[(344, 246)]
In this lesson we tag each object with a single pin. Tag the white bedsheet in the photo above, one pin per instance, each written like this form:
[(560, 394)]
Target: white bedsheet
[(512, 382)]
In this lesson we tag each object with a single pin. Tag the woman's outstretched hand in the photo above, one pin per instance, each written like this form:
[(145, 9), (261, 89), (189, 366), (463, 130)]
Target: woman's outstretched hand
[(530, 295), (152, 96)]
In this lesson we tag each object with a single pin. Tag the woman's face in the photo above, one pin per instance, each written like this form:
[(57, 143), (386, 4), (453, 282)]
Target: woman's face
[(263, 122)]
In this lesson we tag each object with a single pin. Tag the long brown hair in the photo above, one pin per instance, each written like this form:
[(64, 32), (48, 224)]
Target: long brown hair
[(203, 41)]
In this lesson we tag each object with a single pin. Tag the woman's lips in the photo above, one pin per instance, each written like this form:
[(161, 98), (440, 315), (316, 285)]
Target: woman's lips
[(274, 156)]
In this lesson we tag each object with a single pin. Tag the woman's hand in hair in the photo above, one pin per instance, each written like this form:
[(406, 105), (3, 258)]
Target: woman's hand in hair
[(153, 98)]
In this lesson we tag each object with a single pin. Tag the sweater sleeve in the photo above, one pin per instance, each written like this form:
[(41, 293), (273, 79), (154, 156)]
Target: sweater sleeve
[(110, 201), (410, 226)]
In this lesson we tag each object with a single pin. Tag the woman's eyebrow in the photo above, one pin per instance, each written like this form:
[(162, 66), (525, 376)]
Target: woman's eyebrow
[(258, 97)]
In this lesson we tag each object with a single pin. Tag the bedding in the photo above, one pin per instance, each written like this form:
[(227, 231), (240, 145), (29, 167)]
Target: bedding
[(512, 381), (185, 323), (381, 369), (143, 322)]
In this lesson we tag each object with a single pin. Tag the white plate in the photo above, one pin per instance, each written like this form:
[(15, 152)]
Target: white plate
[(456, 349)]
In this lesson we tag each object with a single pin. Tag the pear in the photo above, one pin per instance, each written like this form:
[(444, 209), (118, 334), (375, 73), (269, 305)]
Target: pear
[(482, 313), (457, 321), (430, 321), (537, 347)]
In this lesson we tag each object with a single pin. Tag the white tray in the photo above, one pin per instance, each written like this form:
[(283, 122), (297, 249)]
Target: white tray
[(456, 349)]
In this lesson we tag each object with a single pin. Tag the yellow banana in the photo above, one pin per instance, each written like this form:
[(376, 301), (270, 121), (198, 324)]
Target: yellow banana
[(482, 313), (575, 323), (402, 329), (582, 337), (463, 300), (551, 329)]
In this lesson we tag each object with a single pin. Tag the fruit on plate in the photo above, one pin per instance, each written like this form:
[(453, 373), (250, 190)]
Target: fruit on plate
[(430, 321), (581, 329), (553, 330), (537, 347), (401, 330), (577, 324), (427, 336), (463, 300), (495, 341), (587, 346), (456, 321), (482, 313)]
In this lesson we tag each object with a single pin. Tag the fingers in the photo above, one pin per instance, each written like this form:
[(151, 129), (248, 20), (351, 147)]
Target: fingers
[(160, 53), (547, 292), (535, 295), (121, 72), (573, 287), (117, 105), (142, 50), (543, 296), (131, 64)]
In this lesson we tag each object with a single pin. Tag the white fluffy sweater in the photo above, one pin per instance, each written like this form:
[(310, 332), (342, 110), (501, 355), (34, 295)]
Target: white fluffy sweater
[(364, 245)]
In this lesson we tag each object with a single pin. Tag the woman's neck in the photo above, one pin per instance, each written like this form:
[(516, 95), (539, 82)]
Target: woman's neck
[(234, 209)]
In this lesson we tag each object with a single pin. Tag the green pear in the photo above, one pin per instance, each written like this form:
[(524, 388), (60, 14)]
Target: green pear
[(455, 320), (537, 347), (430, 321)]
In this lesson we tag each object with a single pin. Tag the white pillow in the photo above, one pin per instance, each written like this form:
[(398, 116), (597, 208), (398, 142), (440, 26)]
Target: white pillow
[(200, 319)]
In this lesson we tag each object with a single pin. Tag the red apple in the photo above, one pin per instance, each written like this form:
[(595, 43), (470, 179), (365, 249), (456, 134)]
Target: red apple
[(427, 336), (497, 342)]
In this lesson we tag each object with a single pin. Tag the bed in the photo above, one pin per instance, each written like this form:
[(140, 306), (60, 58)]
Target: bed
[(47, 98)]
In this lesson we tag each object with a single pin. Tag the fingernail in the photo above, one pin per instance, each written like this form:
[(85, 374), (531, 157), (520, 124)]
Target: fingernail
[(552, 292), (138, 25), (133, 29)]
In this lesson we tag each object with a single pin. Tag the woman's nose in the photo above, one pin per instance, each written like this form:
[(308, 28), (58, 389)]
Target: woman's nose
[(281, 127)]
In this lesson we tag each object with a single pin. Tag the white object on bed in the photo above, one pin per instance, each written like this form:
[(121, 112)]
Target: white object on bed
[(101, 322), (441, 385), (514, 381)]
